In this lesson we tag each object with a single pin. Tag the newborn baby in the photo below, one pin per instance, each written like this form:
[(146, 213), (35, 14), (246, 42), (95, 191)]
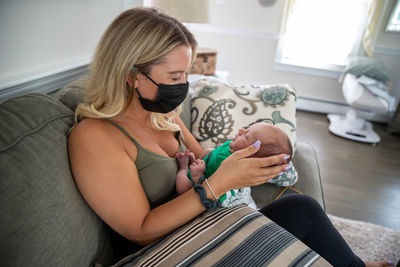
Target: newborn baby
[(273, 142)]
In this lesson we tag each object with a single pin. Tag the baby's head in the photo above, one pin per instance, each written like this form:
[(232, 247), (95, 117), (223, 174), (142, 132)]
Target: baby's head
[(273, 140)]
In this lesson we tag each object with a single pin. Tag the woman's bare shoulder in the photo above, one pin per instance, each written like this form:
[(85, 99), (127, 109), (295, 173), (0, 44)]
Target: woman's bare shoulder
[(88, 135), (92, 136), (99, 136), (89, 127), (92, 131)]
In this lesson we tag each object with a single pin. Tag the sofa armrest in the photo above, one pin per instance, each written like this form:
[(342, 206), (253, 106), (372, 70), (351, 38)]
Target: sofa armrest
[(309, 182), (306, 163)]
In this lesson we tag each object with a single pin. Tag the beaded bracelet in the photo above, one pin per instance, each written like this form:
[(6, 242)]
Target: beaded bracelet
[(209, 204)]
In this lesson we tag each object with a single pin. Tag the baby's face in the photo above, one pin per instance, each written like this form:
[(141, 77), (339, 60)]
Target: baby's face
[(247, 137)]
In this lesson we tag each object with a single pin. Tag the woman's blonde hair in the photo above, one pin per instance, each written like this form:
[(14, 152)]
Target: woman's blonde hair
[(138, 37)]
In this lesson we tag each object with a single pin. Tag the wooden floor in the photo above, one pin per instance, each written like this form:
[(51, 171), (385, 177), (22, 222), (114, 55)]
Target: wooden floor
[(360, 181)]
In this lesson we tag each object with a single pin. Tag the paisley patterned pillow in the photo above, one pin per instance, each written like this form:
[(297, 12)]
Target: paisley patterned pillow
[(219, 110)]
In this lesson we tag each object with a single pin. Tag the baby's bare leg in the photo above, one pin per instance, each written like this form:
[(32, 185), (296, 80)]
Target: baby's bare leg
[(190, 155), (197, 169), (183, 160), (182, 183)]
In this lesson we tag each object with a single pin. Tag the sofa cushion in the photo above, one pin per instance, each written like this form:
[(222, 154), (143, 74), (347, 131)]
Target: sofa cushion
[(73, 93), (44, 220), (220, 109), (223, 238), (309, 182)]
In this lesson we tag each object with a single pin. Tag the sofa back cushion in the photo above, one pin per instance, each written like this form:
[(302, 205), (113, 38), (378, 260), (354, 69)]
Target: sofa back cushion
[(44, 220), (220, 109)]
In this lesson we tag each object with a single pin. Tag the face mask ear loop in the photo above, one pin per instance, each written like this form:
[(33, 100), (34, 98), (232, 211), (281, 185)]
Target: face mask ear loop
[(151, 79), (138, 93), (136, 69)]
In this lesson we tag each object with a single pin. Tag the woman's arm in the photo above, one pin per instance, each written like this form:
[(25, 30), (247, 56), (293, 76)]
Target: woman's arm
[(107, 178)]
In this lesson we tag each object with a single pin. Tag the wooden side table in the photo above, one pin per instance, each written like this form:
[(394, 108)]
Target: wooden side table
[(205, 62)]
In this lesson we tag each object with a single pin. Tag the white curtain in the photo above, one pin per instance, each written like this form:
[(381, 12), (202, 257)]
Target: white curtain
[(375, 19), (287, 11)]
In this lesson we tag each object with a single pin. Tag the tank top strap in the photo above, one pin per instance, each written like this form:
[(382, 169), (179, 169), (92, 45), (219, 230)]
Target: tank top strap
[(124, 131)]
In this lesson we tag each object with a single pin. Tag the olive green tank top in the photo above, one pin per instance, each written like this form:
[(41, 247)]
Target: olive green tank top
[(157, 173)]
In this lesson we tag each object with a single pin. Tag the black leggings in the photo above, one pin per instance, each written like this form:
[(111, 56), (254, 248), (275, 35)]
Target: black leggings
[(302, 216)]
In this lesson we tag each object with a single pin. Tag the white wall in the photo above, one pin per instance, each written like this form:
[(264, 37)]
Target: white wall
[(45, 36), (246, 14), (246, 34)]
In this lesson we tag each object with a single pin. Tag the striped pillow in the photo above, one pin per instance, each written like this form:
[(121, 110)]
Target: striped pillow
[(238, 236)]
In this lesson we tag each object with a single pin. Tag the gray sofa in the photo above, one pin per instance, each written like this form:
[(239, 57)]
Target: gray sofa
[(44, 220)]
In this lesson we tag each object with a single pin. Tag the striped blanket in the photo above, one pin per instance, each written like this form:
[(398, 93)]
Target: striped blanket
[(238, 236)]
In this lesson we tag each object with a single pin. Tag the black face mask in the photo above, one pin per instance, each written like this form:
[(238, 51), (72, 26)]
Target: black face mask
[(169, 96)]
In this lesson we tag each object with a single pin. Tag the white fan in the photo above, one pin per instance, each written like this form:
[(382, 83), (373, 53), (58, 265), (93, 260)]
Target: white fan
[(358, 94)]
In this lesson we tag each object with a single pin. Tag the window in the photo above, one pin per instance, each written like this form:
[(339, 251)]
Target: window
[(322, 34), (393, 24)]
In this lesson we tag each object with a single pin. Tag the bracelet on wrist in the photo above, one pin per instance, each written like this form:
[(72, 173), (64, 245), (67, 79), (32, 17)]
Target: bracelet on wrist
[(209, 204), (212, 192)]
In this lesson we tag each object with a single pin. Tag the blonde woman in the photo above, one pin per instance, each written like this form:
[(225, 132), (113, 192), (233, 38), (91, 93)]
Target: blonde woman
[(122, 152)]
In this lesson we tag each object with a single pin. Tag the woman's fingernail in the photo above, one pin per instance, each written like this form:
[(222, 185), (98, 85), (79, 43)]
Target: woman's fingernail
[(286, 157), (281, 173), (287, 167), (257, 144), (390, 262)]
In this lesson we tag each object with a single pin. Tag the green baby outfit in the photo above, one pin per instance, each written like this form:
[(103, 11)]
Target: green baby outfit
[(238, 196), (212, 161)]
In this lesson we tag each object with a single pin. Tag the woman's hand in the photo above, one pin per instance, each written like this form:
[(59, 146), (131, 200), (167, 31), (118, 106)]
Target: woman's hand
[(238, 170)]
